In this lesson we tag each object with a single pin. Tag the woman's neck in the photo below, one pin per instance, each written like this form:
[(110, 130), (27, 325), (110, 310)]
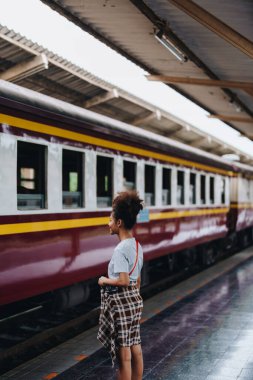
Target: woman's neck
[(125, 234)]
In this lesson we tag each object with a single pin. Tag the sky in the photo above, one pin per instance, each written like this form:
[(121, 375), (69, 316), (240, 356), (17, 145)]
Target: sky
[(39, 23)]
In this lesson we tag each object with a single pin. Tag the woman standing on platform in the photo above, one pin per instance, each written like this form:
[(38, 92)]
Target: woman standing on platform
[(121, 303)]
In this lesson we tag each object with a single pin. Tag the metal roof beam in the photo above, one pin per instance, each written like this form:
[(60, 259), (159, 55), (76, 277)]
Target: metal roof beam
[(173, 133), (239, 119), (245, 160), (248, 86), (199, 141), (101, 98), (45, 85), (139, 120), (215, 25), (25, 69), (222, 149)]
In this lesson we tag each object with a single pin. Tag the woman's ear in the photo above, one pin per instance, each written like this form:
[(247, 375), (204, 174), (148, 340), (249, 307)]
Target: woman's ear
[(119, 223)]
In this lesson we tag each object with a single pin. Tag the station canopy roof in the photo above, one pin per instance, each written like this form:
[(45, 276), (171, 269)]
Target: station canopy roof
[(32, 66), (203, 49)]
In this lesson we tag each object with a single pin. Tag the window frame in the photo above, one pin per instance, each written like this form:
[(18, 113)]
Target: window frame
[(223, 179), (83, 152), (204, 175), (209, 189), (196, 204), (147, 163), (167, 167), (136, 171), (46, 146), (185, 203), (113, 157), (251, 191)]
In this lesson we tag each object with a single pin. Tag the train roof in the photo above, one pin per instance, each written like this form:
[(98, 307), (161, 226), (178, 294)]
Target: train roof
[(32, 98)]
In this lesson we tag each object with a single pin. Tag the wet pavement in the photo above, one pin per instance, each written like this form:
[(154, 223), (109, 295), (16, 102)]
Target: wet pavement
[(206, 336)]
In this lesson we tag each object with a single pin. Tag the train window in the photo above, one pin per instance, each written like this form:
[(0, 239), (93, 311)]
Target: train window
[(72, 179), (251, 191), (129, 175), (202, 189), (149, 185), (192, 195), (104, 181), (247, 188), (31, 176), (180, 187), (223, 187), (166, 190), (211, 190)]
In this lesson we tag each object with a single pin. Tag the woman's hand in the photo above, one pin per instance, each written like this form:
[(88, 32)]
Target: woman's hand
[(122, 280), (101, 281)]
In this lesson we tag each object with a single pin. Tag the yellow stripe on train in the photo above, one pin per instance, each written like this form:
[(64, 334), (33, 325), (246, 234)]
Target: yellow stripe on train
[(21, 228), (187, 213), (242, 205), (51, 225)]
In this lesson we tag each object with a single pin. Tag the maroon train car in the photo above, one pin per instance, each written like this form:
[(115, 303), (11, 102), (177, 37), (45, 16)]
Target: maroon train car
[(60, 166)]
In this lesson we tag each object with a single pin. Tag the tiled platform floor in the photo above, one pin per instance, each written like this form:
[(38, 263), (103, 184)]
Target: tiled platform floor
[(206, 336), (201, 329)]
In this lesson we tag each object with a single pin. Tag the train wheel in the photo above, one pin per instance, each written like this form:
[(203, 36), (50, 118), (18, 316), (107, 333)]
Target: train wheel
[(188, 258), (71, 296), (244, 239), (145, 274), (172, 262), (208, 256)]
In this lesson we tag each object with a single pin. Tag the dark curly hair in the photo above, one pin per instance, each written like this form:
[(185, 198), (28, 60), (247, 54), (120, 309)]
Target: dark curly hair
[(126, 206)]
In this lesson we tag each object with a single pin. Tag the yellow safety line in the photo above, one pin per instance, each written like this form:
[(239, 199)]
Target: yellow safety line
[(18, 228), (54, 131)]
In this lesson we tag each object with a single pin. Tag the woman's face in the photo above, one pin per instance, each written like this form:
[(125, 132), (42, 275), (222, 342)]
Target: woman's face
[(113, 225)]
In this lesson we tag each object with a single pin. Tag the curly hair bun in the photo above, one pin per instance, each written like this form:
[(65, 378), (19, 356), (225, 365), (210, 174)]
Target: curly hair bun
[(126, 206)]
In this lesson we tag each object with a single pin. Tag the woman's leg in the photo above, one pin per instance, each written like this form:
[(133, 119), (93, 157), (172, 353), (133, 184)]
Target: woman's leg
[(125, 370), (137, 362)]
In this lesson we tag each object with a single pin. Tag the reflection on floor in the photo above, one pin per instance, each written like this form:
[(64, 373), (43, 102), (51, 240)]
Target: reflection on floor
[(206, 336)]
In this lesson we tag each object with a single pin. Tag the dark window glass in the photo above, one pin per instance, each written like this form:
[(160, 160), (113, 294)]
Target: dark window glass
[(192, 198), (202, 189), (149, 185), (72, 179), (180, 187), (30, 176), (104, 181), (166, 191), (247, 184), (129, 174), (211, 184), (223, 190)]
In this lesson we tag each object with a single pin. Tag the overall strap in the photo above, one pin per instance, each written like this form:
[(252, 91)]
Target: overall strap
[(136, 258)]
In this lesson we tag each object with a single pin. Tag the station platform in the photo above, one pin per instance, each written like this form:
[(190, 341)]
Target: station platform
[(200, 329)]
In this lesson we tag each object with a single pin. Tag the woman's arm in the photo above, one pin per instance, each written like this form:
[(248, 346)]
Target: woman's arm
[(122, 280)]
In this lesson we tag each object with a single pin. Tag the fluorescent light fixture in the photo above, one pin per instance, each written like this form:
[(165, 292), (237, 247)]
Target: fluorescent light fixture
[(25, 69), (170, 45)]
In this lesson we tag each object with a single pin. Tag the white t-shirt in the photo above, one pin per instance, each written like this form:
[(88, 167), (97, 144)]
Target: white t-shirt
[(123, 259)]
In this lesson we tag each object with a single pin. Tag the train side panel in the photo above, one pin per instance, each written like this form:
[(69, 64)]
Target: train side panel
[(241, 214), (38, 262)]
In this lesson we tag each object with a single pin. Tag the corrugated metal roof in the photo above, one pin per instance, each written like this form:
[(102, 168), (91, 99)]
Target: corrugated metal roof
[(68, 82), (129, 27)]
